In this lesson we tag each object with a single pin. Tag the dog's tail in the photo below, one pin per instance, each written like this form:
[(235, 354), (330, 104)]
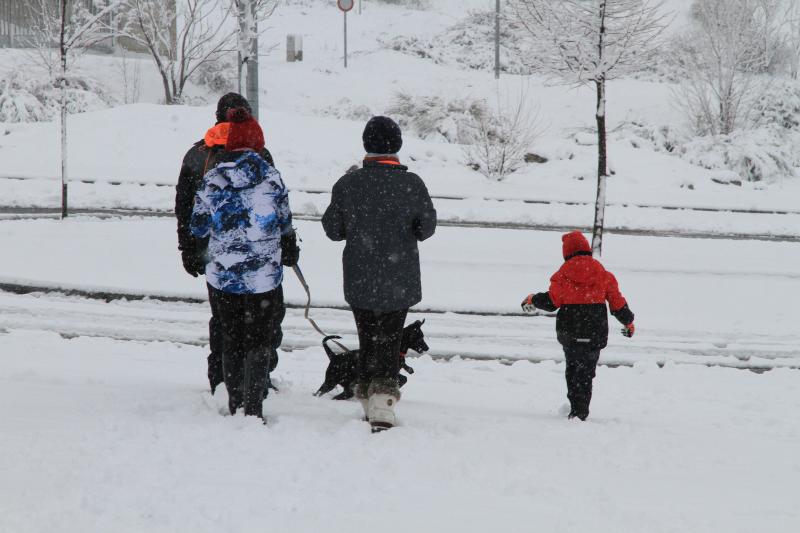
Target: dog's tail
[(327, 348)]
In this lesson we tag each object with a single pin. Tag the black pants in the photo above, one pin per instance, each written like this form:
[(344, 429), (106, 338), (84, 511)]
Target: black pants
[(250, 327), (580, 371), (215, 334), (379, 336)]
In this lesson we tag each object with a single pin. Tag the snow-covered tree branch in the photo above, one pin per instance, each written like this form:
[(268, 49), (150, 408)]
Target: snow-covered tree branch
[(183, 36), (591, 42)]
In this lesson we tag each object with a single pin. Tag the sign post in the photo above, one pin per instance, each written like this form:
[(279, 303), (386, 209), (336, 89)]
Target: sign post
[(345, 6)]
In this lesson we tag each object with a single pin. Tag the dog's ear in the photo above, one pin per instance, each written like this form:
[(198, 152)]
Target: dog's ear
[(421, 321)]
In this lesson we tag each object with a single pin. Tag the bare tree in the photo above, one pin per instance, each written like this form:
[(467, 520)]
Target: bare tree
[(589, 42), (722, 54), (503, 137), (130, 72), (73, 28), (183, 35)]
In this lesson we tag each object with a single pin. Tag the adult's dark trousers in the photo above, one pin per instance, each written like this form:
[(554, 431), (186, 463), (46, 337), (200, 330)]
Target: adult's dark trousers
[(250, 326), (216, 375), (379, 336), (581, 364)]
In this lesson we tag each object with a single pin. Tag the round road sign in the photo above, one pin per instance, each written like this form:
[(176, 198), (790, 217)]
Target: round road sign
[(345, 5)]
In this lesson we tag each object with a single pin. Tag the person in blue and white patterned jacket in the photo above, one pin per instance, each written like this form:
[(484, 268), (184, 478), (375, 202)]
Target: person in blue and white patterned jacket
[(243, 210)]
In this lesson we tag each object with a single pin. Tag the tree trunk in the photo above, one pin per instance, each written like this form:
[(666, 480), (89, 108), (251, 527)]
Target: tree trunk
[(602, 158), (63, 85), (602, 170), (252, 72)]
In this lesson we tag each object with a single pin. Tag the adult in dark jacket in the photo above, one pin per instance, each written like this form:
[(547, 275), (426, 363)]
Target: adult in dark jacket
[(200, 158), (579, 291), (382, 210)]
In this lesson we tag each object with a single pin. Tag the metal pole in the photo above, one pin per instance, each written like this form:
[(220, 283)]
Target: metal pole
[(345, 39), (359, 6), (497, 40)]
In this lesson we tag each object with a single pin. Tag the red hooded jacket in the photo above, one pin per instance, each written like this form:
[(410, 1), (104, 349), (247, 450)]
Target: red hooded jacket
[(580, 290)]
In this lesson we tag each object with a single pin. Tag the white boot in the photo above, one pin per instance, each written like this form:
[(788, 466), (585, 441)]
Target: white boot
[(380, 411)]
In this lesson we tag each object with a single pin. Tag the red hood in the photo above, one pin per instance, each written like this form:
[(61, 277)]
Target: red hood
[(574, 242)]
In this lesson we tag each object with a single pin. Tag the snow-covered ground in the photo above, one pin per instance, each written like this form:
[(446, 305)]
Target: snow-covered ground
[(694, 298), (102, 435)]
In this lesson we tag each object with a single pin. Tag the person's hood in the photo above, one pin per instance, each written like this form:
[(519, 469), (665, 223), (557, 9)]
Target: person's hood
[(246, 171), (574, 243)]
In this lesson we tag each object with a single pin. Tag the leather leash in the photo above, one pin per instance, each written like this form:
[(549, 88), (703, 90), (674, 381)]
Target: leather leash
[(302, 279)]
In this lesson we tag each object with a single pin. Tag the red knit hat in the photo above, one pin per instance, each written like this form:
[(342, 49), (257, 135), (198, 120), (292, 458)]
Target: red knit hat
[(244, 131), (574, 242)]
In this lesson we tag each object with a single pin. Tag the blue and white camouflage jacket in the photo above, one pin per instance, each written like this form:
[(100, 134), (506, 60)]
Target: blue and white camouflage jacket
[(243, 208)]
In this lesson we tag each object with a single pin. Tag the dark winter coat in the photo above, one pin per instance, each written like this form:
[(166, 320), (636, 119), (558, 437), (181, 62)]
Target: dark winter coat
[(382, 211), (580, 290), (197, 161)]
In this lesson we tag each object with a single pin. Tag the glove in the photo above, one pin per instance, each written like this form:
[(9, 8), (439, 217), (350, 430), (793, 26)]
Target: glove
[(527, 304), (290, 252), (193, 263), (629, 330)]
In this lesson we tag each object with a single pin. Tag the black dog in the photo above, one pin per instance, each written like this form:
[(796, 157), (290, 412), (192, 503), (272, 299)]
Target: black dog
[(343, 367)]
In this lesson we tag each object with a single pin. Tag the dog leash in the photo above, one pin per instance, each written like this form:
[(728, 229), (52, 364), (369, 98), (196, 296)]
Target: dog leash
[(302, 279)]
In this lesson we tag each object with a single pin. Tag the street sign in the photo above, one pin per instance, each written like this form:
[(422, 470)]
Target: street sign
[(345, 6)]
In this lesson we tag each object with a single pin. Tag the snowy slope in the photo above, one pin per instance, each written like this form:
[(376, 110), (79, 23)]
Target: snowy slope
[(313, 113)]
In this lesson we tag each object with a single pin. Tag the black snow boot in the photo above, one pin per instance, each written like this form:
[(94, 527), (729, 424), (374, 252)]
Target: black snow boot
[(255, 367), (216, 374)]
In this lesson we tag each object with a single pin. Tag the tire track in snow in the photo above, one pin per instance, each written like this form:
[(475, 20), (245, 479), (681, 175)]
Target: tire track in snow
[(507, 339)]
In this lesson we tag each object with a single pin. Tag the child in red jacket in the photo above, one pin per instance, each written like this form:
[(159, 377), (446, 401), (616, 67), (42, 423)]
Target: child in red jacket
[(580, 290)]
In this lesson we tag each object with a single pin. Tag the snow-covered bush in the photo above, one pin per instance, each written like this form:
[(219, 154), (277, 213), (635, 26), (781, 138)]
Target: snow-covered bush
[(346, 109), (18, 104), (470, 44), (779, 105), (414, 4), (763, 154), (662, 138), (434, 117), (220, 76), (24, 98)]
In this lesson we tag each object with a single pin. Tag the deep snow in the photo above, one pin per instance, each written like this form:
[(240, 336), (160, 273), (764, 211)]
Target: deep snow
[(100, 435)]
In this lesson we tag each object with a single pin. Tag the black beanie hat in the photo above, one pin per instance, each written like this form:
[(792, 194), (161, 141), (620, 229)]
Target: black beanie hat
[(228, 102), (382, 136)]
